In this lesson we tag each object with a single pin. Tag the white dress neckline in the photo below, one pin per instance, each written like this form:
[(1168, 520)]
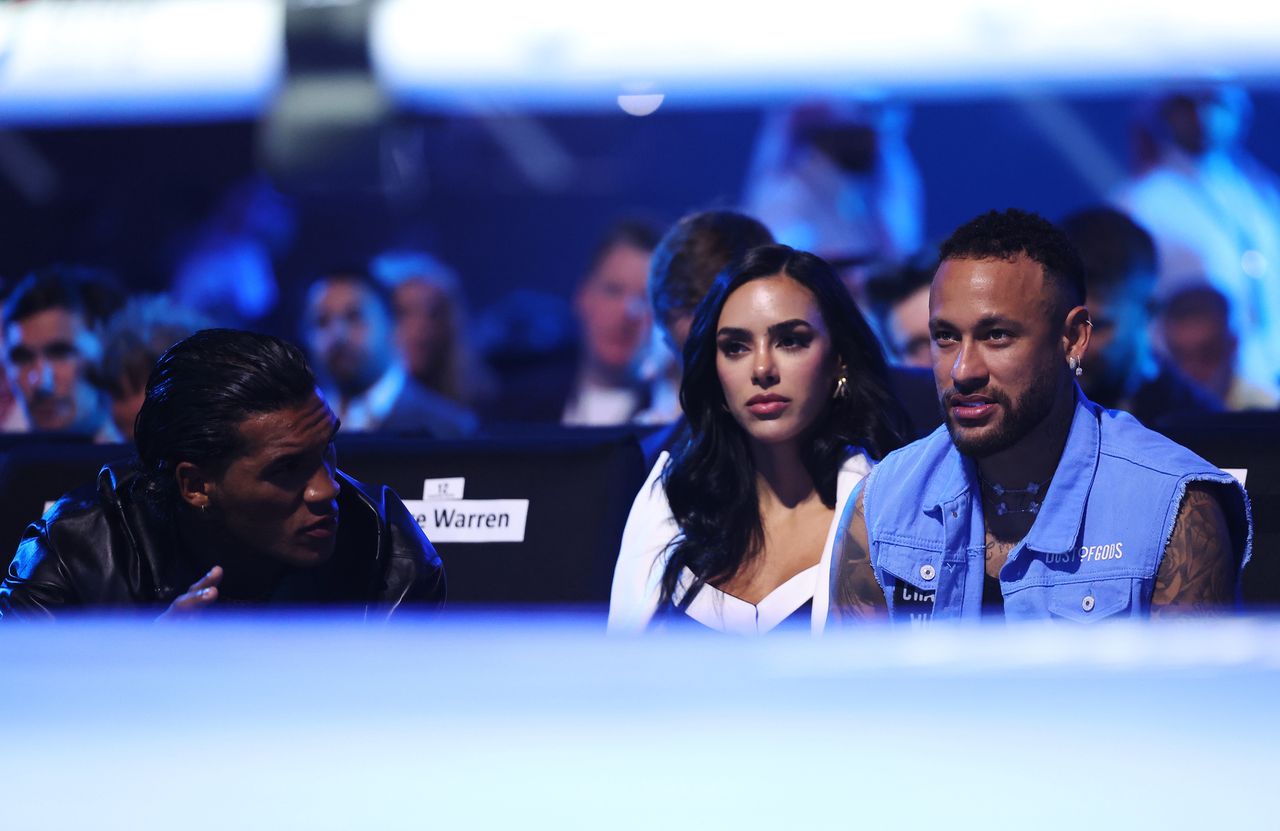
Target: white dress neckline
[(636, 594), (723, 612)]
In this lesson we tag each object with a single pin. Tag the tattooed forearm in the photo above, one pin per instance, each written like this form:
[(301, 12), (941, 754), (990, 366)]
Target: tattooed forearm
[(855, 593), (1198, 571)]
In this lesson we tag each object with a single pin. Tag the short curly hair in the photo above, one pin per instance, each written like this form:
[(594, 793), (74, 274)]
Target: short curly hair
[(997, 235)]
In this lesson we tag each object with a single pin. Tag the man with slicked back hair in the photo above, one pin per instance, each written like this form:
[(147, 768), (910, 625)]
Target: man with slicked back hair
[(235, 498)]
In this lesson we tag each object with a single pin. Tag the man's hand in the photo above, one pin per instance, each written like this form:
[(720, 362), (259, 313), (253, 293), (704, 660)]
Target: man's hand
[(201, 595)]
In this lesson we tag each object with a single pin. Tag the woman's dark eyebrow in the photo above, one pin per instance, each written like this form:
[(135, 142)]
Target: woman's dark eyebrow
[(789, 326), (785, 327)]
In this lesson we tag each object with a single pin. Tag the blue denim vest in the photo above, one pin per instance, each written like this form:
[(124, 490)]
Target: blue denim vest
[(1093, 550)]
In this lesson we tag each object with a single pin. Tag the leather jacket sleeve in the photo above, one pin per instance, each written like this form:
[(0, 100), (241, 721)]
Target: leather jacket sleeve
[(37, 583), (414, 574), (41, 580)]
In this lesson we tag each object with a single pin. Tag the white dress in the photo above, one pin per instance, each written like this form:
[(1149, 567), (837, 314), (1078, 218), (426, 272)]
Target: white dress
[(637, 577)]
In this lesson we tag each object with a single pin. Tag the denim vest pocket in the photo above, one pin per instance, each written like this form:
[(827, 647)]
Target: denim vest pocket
[(915, 566), (1088, 601)]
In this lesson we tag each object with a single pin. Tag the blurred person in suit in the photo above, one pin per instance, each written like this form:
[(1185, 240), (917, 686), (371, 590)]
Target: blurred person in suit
[(1196, 329), (348, 327), (550, 374), (612, 308)]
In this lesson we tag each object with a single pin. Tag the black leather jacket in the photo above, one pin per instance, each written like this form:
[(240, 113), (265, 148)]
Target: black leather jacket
[(108, 546)]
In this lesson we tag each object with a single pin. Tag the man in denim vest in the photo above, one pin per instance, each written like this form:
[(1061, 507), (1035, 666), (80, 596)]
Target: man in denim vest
[(1033, 502)]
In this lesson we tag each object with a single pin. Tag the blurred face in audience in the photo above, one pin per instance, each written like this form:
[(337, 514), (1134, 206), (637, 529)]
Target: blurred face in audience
[(424, 325), (1120, 331), (775, 359), (7, 401), (1203, 121), (909, 329), (124, 409), (613, 308), (1199, 339), (348, 333), (676, 330), (48, 356)]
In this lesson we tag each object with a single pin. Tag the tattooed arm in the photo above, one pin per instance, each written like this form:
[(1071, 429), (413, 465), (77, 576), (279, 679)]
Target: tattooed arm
[(855, 593), (1198, 571)]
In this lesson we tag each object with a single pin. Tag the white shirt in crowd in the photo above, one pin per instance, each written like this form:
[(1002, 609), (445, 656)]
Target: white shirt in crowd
[(366, 412)]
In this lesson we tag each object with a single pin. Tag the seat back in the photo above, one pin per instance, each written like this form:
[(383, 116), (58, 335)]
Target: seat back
[(579, 486)]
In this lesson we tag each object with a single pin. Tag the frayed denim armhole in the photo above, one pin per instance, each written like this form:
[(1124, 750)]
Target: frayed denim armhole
[(864, 488), (1232, 517)]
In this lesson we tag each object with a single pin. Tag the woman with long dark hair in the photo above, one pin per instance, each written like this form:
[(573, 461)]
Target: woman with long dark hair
[(785, 389)]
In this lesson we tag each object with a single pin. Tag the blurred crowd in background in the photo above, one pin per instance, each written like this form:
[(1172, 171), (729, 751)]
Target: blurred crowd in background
[(1183, 264)]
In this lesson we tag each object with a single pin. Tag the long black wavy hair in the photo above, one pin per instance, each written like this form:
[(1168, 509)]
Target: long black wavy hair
[(711, 480)]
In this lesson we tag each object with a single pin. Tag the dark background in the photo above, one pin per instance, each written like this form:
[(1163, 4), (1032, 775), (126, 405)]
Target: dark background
[(131, 197)]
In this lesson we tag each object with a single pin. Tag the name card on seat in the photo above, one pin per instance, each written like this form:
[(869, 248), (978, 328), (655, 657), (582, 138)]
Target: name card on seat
[(470, 520)]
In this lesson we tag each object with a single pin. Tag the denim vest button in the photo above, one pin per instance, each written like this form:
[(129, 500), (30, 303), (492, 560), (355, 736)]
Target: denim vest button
[(927, 572), (1087, 603)]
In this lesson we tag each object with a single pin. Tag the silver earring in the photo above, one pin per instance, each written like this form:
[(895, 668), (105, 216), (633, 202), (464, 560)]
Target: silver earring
[(1074, 363), (842, 389)]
